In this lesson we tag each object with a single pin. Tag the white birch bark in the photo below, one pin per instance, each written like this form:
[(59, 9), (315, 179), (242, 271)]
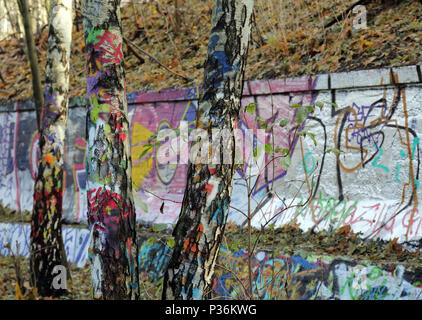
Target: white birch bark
[(201, 224)]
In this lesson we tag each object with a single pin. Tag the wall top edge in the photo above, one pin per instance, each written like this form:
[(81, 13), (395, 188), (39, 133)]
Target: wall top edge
[(339, 80), (330, 81)]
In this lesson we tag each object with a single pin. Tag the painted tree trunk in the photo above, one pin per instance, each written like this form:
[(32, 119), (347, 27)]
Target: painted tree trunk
[(199, 230), (111, 213), (47, 249)]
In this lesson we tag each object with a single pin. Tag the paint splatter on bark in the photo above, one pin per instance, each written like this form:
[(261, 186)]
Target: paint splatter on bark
[(206, 201), (111, 213), (47, 249)]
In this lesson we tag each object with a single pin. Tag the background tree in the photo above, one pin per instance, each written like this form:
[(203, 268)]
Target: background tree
[(206, 201), (32, 57), (13, 19), (111, 212), (47, 249)]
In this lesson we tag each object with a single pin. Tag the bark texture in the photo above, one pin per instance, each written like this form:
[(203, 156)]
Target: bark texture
[(111, 213), (199, 230), (47, 249)]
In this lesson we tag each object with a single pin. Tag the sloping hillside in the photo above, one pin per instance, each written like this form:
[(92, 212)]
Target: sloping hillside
[(289, 39)]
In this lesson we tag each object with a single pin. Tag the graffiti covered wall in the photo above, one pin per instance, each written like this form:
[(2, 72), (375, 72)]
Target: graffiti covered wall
[(17, 236), (19, 155), (373, 184), (275, 276)]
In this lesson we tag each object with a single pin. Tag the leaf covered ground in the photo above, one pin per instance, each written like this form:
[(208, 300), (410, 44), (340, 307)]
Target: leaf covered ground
[(80, 286), (291, 240), (81, 278), (288, 39)]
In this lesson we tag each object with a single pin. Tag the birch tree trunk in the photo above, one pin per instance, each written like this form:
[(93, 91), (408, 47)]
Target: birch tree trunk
[(13, 19), (37, 14), (199, 230), (111, 213), (47, 249)]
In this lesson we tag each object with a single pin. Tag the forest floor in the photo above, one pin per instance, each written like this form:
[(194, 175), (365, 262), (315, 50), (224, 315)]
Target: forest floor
[(80, 285), (288, 39)]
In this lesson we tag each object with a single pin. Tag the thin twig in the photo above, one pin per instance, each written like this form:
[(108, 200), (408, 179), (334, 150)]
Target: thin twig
[(235, 276), (163, 199), (128, 42), (239, 211), (141, 60)]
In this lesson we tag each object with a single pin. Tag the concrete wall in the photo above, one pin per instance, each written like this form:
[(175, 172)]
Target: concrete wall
[(17, 236), (275, 276), (373, 185)]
